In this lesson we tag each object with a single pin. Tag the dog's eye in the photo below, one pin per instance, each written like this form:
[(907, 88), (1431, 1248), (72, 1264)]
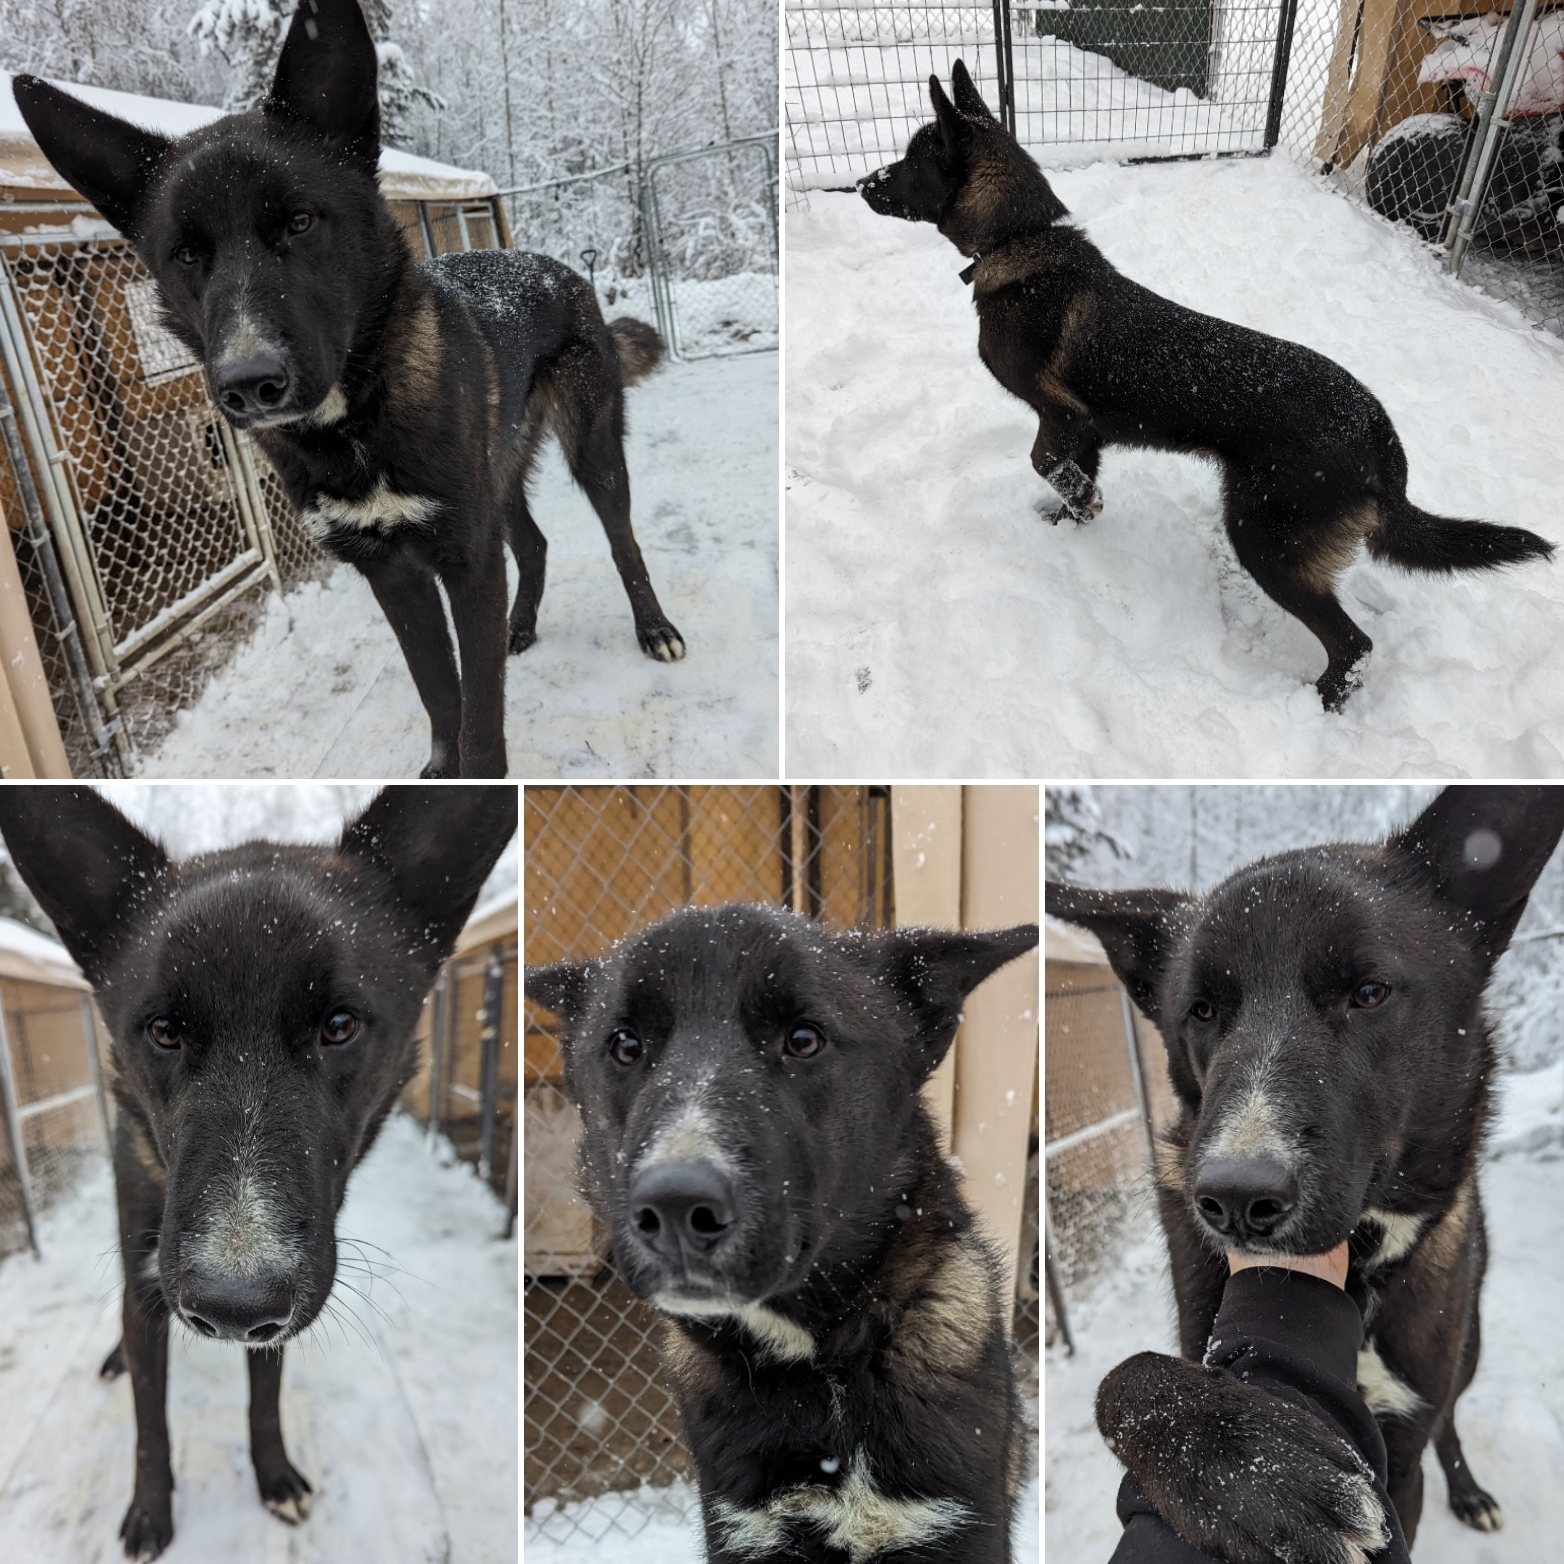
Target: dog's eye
[(1202, 1010), (626, 1047), (1370, 996), (186, 256), (341, 1026), (300, 222), (162, 1032), (804, 1042)]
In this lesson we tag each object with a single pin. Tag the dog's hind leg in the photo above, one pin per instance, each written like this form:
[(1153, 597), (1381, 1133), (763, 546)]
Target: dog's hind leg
[(1295, 556), (283, 1489), (410, 600), (531, 550), (1472, 1505), (589, 420)]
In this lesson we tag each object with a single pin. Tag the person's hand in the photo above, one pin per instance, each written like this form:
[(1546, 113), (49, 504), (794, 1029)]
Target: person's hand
[(1330, 1267)]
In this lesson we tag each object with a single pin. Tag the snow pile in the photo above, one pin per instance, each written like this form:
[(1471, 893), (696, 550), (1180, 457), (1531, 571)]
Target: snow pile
[(1511, 1420), (399, 1406), (939, 628), (322, 690), (662, 1526)]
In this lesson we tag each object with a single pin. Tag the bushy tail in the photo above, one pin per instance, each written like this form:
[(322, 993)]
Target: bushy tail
[(640, 348), (1416, 540)]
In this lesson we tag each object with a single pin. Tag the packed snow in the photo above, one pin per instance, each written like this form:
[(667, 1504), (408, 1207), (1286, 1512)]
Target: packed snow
[(399, 1406), (1511, 1420), (662, 1526), (937, 627), (322, 689)]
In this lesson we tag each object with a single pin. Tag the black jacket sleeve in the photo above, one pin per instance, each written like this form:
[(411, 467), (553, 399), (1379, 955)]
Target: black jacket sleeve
[(1297, 1337)]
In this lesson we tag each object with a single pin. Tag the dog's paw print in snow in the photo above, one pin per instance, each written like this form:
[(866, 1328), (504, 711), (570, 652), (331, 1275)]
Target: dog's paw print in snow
[(863, 679)]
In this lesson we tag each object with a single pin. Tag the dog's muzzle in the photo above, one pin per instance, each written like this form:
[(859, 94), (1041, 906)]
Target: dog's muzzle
[(684, 1213)]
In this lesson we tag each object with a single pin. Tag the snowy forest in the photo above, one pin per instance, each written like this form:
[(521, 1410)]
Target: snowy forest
[(524, 90), (1192, 837)]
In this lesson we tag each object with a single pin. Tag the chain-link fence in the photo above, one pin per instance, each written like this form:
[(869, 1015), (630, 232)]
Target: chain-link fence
[(688, 240), (148, 532), (466, 1086), (1447, 119), (1101, 1109), (53, 1124)]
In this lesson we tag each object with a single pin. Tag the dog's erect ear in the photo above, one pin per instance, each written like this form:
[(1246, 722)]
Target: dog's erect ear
[(108, 160), (935, 970), (1137, 929), (1482, 848), (83, 860), (955, 129), (327, 76), (968, 99), (561, 988), (438, 844)]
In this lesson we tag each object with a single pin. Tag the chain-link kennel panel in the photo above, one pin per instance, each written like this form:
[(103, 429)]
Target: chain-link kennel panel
[(465, 1088), (601, 862), (165, 532), (688, 241), (857, 80), (53, 1128)]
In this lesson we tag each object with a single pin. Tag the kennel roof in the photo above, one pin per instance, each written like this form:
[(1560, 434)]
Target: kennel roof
[(31, 957), (24, 168)]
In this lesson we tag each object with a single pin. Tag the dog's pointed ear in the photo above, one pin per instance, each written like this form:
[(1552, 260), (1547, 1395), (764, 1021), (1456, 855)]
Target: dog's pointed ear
[(933, 970), (84, 862), (438, 844), (956, 131), (328, 77), (1137, 929), (109, 161), (560, 987), (1482, 849), (968, 99)]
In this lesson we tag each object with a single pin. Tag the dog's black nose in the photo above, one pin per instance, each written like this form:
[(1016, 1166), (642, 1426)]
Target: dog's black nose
[(251, 1309), (1245, 1197), (682, 1208), (251, 387)]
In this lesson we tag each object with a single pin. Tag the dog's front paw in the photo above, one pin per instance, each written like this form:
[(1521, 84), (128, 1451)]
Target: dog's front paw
[(1477, 1509), (286, 1494), (113, 1365), (147, 1529), (521, 637), (1238, 1473), (661, 641)]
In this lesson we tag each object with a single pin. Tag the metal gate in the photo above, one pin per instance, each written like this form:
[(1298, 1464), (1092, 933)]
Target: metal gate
[(689, 240), (159, 522)]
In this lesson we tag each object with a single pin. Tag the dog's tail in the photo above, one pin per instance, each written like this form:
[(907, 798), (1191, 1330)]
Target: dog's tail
[(639, 347), (1416, 540)]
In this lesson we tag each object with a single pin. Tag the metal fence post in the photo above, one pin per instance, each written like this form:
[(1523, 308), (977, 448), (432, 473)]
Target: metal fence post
[(13, 1128), (89, 1027), (441, 1004), (1492, 123), (1138, 1077), (1055, 1289), (489, 1058), (1285, 24)]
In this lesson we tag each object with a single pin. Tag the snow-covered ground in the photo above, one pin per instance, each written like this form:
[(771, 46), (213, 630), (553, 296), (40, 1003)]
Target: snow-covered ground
[(400, 1405), (1511, 1420), (662, 1526), (937, 627), (322, 690)]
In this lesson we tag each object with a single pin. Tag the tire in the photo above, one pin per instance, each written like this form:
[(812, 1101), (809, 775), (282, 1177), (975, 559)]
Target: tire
[(1413, 171)]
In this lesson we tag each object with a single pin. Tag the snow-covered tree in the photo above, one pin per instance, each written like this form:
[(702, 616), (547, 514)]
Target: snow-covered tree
[(1074, 832)]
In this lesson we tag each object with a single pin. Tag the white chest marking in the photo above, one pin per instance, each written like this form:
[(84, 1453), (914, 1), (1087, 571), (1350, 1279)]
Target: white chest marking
[(1399, 1235), (854, 1516), (379, 511), (779, 1339), (1383, 1393)]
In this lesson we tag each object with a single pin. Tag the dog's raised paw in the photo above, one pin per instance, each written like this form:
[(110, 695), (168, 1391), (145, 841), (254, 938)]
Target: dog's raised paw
[(521, 639), (113, 1365), (1238, 1473)]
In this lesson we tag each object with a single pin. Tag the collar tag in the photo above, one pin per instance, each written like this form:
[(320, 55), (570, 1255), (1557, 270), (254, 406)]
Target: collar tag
[(967, 275)]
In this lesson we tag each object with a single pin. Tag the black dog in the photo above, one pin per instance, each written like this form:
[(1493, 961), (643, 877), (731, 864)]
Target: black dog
[(1311, 464), (403, 405), (1323, 1015), (261, 1004), (757, 1149)]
